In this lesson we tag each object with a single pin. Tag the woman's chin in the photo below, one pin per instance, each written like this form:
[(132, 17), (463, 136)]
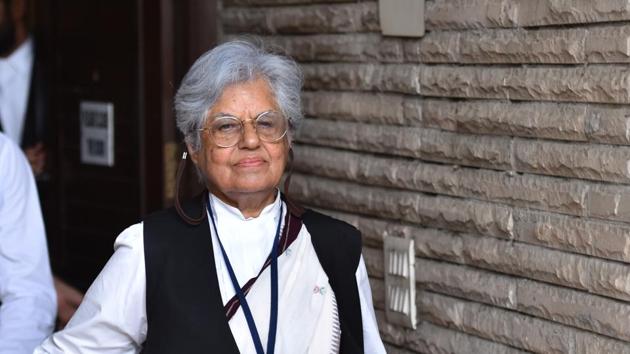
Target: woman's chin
[(253, 188)]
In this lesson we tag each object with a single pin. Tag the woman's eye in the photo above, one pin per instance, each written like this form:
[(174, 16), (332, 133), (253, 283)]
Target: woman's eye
[(226, 127), (265, 124)]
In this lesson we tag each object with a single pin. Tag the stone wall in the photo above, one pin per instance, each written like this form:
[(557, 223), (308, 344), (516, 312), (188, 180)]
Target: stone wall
[(500, 142)]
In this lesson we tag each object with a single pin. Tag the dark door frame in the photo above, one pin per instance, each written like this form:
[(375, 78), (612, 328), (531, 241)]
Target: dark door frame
[(172, 35)]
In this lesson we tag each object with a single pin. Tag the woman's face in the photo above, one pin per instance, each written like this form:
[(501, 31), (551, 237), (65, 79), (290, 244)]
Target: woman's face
[(252, 166)]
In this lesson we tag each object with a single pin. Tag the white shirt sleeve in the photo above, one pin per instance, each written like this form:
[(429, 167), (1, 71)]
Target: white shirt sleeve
[(112, 317), (29, 305), (372, 342)]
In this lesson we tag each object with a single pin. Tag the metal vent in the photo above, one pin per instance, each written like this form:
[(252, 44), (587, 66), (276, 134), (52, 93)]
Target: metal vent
[(400, 281)]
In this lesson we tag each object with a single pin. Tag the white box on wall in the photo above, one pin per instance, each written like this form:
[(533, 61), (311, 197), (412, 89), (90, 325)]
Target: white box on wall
[(401, 17), (97, 133)]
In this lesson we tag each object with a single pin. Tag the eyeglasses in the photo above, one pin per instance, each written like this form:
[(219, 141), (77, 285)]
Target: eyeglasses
[(226, 131)]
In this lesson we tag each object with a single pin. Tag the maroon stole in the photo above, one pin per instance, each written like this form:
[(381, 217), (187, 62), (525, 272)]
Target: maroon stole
[(292, 227)]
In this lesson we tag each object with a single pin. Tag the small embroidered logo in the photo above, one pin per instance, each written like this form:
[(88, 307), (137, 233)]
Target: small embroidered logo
[(319, 290), (288, 251)]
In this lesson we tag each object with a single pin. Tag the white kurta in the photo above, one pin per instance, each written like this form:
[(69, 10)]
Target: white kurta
[(313, 319), (112, 317), (29, 305)]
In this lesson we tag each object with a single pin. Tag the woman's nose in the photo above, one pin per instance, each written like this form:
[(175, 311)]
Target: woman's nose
[(250, 136)]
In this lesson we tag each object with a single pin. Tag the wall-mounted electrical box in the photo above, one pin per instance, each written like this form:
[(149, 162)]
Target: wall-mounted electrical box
[(400, 281), (401, 17), (97, 132)]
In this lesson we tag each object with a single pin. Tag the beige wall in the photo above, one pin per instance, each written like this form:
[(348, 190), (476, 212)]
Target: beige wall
[(499, 142)]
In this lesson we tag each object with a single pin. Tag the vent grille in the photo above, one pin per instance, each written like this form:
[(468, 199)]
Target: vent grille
[(400, 281)]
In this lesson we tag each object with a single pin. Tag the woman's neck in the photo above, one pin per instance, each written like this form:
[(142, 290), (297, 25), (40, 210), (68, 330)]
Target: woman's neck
[(249, 204)]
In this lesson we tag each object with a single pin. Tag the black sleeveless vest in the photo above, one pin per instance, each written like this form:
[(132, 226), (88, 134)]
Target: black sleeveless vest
[(185, 312)]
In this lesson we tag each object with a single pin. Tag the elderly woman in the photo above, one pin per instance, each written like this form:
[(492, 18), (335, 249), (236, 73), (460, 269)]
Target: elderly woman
[(241, 268)]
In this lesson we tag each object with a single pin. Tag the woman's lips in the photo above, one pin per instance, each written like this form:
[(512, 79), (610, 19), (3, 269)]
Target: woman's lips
[(250, 162)]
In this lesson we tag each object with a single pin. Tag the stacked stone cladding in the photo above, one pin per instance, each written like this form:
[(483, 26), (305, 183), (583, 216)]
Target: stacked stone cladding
[(499, 142)]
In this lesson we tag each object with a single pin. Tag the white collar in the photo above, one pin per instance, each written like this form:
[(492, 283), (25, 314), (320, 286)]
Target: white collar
[(230, 213), (21, 59)]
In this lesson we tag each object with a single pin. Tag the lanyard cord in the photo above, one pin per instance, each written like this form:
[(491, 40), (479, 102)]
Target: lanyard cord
[(273, 315)]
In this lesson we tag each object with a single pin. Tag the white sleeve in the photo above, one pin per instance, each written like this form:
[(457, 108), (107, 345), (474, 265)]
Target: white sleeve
[(112, 317), (29, 305), (372, 342)]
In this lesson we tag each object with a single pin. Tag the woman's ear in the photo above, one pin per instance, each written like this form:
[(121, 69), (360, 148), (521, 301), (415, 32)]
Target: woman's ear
[(290, 139), (194, 154)]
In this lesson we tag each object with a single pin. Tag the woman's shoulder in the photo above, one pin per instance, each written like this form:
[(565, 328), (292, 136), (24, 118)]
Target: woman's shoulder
[(170, 219), (131, 237), (166, 232), (332, 237), (193, 207), (314, 219)]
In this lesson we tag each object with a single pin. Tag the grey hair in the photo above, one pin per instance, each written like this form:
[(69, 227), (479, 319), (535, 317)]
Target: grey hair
[(231, 63)]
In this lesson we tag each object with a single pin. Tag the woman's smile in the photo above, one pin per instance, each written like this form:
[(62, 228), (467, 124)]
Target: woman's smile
[(249, 162)]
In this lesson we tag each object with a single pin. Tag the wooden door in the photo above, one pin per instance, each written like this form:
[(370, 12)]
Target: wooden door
[(130, 53)]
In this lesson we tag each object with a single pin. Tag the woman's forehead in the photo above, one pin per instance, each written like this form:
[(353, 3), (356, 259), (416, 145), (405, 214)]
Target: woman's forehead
[(247, 99)]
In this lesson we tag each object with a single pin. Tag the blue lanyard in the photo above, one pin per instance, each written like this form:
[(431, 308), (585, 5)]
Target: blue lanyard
[(273, 315)]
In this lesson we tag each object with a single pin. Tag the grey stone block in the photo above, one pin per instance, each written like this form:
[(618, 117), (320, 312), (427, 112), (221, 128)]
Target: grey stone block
[(353, 47), (390, 333), (580, 235), (401, 78), (608, 125), (594, 162), (590, 312), (532, 191), (426, 144), (608, 44), (555, 46), (434, 47), (512, 328), (319, 18), (567, 306), (430, 338), (470, 14), (466, 282), (603, 84), (532, 120), (379, 108), (460, 14), (554, 12), (373, 259), (610, 202), (444, 212)]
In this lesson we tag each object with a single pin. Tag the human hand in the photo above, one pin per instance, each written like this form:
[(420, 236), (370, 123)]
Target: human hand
[(68, 300), (36, 156)]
